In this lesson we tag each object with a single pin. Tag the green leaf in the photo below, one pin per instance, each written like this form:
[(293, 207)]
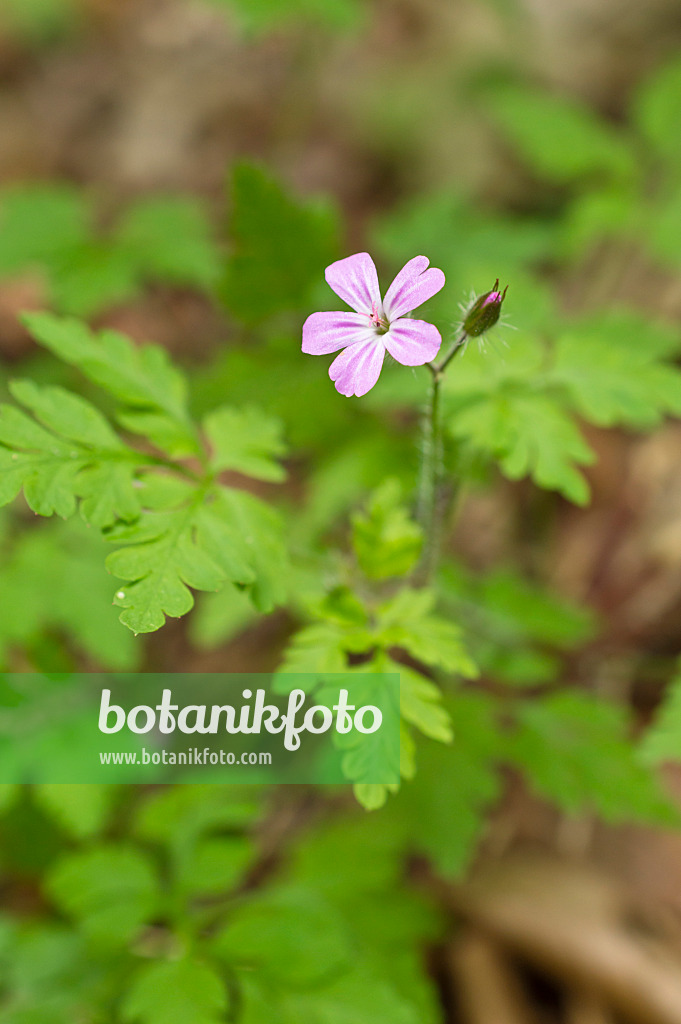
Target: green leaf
[(176, 992), (166, 433), (342, 607), (81, 457), (82, 810), (46, 960), (111, 891), (442, 810), (368, 859), (610, 212), (614, 373), (67, 414), (561, 139), (164, 558), (168, 238), (346, 473), (406, 621), (662, 741), (214, 866), (208, 539), (574, 750), (178, 816), (530, 435), (471, 245), (516, 629), (662, 227), (371, 795), (656, 111), (91, 278), (246, 440), (140, 377), (358, 997), (244, 527), (9, 792), (292, 935), (480, 371), (280, 247), (39, 21), (324, 646), (50, 229), (53, 579), (316, 648), (39, 463), (375, 755), (421, 704), (386, 540), (261, 16), (38, 224)]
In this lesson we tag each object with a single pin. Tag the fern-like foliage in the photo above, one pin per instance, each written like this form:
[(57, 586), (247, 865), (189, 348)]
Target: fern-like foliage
[(177, 526)]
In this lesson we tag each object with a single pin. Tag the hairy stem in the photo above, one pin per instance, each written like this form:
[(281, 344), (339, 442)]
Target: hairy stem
[(430, 506), (430, 476)]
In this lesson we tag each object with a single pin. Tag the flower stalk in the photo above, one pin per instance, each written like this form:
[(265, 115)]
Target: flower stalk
[(431, 504), (432, 501)]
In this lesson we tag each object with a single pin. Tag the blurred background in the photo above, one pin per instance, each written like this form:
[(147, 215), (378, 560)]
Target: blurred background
[(522, 139)]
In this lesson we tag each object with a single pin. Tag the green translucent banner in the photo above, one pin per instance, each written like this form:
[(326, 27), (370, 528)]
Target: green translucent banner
[(115, 728)]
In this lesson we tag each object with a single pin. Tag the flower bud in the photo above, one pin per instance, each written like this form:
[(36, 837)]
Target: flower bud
[(484, 312)]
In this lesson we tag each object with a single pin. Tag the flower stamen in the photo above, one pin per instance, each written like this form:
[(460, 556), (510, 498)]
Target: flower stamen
[(379, 322)]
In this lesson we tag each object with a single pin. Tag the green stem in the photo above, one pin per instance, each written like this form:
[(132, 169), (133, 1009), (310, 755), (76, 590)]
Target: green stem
[(429, 480), (430, 505)]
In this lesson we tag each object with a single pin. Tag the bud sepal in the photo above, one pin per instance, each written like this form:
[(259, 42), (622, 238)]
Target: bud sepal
[(485, 312)]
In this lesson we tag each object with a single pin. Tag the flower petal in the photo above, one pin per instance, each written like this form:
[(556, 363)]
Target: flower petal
[(412, 342), (356, 281), (412, 287), (327, 332), (356, 370)]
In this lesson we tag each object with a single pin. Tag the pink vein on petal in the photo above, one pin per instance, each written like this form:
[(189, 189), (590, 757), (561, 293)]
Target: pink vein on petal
[(356, 369), (412, 342), (413, 286), (327, 332), (356, 281)]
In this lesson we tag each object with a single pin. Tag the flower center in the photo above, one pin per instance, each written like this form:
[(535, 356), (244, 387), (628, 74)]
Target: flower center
[(380, 323)]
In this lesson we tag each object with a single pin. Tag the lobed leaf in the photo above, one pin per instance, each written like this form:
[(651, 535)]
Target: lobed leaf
[(176, 992), (246, 440), (211, 538), (442, 811), (110, 891), (168, 238), (74, 454), (406, 621), (574, 750), (40, 223), (50, 229), (662, 741), (421, 704), (656, 111), (615, 371), (561, 139), (530, 435), (279, 246), (142, 377), (386, 539), (53, 581)]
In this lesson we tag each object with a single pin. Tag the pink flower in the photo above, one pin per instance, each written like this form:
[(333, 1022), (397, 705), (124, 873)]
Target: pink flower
[(377, 324)]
